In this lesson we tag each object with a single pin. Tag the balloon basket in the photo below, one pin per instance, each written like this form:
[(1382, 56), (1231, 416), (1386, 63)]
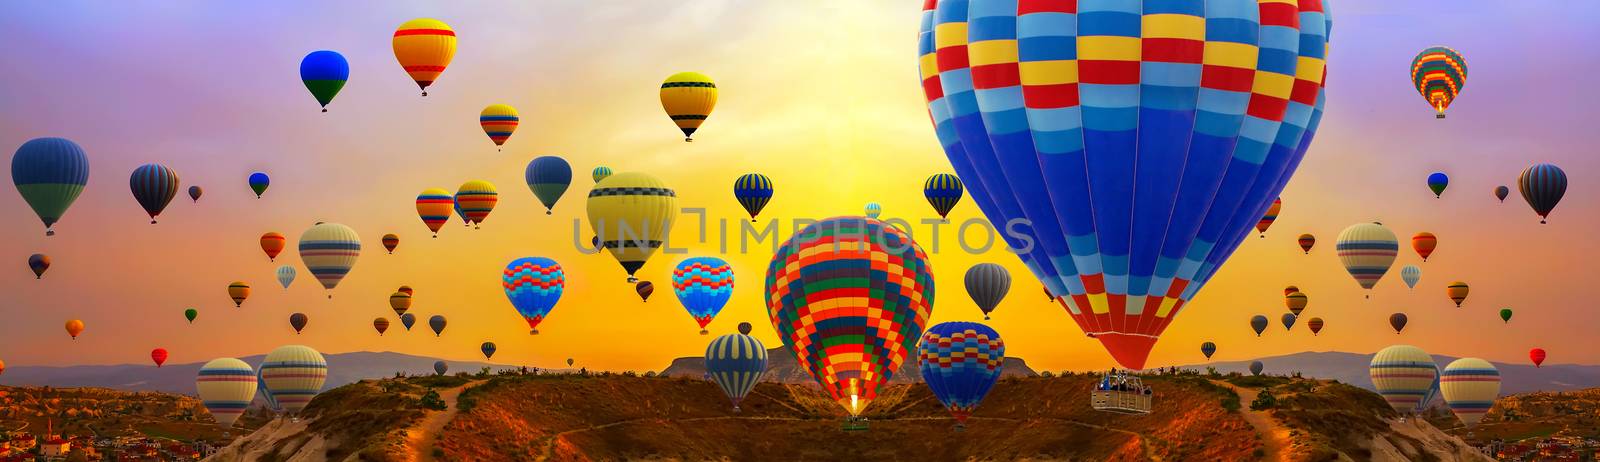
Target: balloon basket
[(854, 424), (1440, 116)]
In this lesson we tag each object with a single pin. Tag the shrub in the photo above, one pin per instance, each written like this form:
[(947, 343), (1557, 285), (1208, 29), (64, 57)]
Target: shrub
[(1265, 400), (431, 400)]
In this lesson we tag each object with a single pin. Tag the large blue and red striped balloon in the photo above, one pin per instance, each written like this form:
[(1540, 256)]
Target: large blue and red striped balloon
[(960, 362), (154, 186), (703, 285), (1140, 139), (533, 284)]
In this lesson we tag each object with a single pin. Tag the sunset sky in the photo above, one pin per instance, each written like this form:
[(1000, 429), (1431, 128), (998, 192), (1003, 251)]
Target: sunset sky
[(821, 96)]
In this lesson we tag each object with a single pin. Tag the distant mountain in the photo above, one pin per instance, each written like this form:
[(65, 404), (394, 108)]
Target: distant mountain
[(343, 368), (1351, 368), (783, 368)]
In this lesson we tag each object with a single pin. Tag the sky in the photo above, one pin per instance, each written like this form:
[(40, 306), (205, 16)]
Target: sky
[(823, 97)]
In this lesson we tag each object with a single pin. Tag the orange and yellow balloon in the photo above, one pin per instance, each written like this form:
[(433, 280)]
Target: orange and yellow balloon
[(74, 327), (434, 206), (238, 291), (424, 47), (476, 199), (498, 121), (688, 98)]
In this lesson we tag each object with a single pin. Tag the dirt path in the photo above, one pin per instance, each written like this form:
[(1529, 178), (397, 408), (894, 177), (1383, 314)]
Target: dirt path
[(1274, 436), (421, 438)]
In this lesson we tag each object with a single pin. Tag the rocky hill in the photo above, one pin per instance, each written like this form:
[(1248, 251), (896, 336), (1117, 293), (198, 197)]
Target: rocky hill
[(783, 368)]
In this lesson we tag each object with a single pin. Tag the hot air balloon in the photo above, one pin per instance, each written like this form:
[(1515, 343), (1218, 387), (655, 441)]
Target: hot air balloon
[(381, 325), (1437, 181), (819, 304), (1500, 192), (1271, 216), (1208, 349), (1256, 367), (534, 285), (1505, 315), (439, 367), (703, 285), (1085, 122), (1296, 302), (286, 275), (238, 291), (1410, 274), (1537, 355), (873, 210), (194, 193), (324, 73), (456, 204), (735, 362), (1290, 289), (400, 302), (38, 263), (488, 350), (644, 289), (1404, 375), (50, 173), (259, 183), (1439, 73), (154, 186), (987, 284), (960, 362), (1306, 241), (1258, 323), (437, 322), (1288, 321), (266, 395), (74, 327), (688, 98), (498, 121), (434, 206), (1424, 243), (407, 290), (745, 328), (569, 362), (1398, 322), (1367, 250), (390, 241), (548, 177), (632, 214), (408, 320), (600, 173), (298, 322), (1457, 291), (226, 386), (190, 314), (943, 191), (2, 367), (294, 374), (424, 47), (158, 356), (272, 243), (1542, 185), (1315, 324), (330, 250), (753, 190), (1469, 386), (477, 199)]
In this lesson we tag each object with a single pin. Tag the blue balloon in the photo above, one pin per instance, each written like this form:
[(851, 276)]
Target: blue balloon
[(50, 173), (439, 367), (154, 186), (1208, 349), (1129, 181), (753, 190), (408, 320), (324, 73), (437, 322), (703, 285), (548, 177), (1437, 181), (736, 362), (534, 285), (259, 182), (266, 393), (488, 350), (960, 362), (1259, 324), (1288, 321)]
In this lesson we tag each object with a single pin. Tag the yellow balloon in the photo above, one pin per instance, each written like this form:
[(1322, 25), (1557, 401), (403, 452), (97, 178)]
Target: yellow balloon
[(238, 291), (688, 98), (632, 214), (424, 48)]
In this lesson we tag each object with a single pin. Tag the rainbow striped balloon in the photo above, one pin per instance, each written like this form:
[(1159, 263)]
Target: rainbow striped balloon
[(1271, 216), (1404, 375), (1141, 140), (226, 387), (293, 375), (434, 206), (330, 250), (424, 47), (476, 199), (1470, 386), (850, 296), (1439, 74), (1367, 250), (736, 363), (703, 285), (498, 121), (534, 285)]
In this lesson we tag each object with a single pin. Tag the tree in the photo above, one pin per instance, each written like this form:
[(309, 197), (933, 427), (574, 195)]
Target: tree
[(431, 400), (1265, 400)]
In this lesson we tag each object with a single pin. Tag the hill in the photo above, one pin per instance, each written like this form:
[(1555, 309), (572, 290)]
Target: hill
[(782, 367), (1351, 368), (343, 368), (625, 417)]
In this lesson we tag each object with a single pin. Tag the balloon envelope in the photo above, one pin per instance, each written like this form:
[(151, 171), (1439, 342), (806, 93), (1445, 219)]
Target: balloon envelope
[(1505, 314), (1470, 386), (330, 250), (190, 314), (1500, 192), (600, 173), (408, 320), (38, 263), (1542, 185), (476, 199), (736, 363), (960, 362), (390, 241), (499, 121), (1296, 302), (987, 284), (1367, 250), (324, 73), (298, 321), (1537, 355), (1288, 321), (434, 206), (1404, 376), (753, 190), (158, 356), (259, 183), (1306, 241), (195, 192), (1208, 349), (1457, 291), (548, 177), (1410, 274), (1256, 367), (1271, 216), (381, 325), (1424, 243), (226, 386), (294, 374), (644, 289), (1437, 181), (1258, 323), (1439, 73), (703, 285), (437, 322), (943, 191), (1398, 322), (632, 214), (688, 98), (424, 47), (399, 302), (439, 367), (50, 173), (238, 291), (154, 186), (534, 285), (873, 210), (1315, 324)]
